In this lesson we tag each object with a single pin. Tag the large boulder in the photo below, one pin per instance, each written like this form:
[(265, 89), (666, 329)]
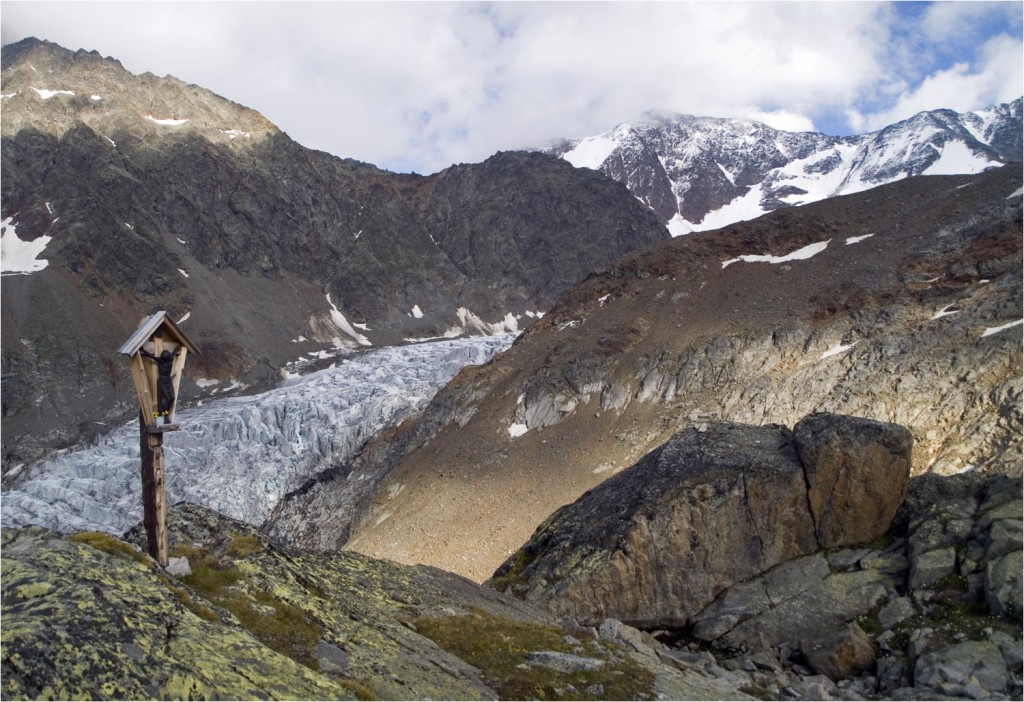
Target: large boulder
[(716, 505)]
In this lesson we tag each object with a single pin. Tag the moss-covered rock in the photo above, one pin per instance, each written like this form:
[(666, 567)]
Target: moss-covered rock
[(84, 623), (92, 616)]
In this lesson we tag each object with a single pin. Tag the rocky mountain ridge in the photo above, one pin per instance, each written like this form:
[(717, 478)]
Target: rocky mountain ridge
[(701, 173), (125, 194), (901, 304)]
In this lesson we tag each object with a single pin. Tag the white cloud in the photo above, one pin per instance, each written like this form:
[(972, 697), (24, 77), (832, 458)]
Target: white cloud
[(421, 85), (998, 77), (781, 119)]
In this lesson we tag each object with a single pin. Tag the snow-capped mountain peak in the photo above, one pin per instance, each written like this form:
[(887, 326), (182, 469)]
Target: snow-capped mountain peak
[(701, 173)]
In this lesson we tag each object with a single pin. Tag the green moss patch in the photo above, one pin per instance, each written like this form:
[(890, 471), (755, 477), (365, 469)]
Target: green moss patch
[(111, 545), (243, 545), (498, 647), (277, 624), (513, 574)]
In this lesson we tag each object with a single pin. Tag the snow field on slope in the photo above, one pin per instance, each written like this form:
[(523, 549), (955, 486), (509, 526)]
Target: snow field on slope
[(241, 455), (17, 256)]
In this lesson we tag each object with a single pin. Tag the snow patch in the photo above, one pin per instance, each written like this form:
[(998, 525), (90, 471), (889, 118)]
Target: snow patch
[(417, 312), (944, 312), (837, 349), (470, 321), (743, 208), (233, 133), (47, 94), (342, 324), (989, 331), (19, 257), (183, 273), (857, 239), (8, 95), (1016, 193), (728, 176), (677, 226), (166, 122), (187, 315), (206, 382), (955, 158), (801, 254), (236, 384), (517, 430), (95, 98), (591, 152)]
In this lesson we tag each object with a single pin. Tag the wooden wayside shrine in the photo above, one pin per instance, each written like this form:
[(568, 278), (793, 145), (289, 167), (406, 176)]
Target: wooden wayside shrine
[(156, 352)]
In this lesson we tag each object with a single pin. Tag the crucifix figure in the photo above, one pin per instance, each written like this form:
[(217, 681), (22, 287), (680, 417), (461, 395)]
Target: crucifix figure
[(165, 380)]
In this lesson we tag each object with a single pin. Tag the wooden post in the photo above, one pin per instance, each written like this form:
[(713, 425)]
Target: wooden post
[(156, 329), (154, 492)]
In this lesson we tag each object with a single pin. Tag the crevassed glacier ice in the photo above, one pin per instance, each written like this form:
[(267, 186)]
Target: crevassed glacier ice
[(241, 455)]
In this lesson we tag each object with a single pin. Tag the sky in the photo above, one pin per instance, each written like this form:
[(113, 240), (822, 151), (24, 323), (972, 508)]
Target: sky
[(419, 86)]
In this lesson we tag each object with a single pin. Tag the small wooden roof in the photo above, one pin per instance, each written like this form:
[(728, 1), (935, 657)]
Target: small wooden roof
[(148, 327)]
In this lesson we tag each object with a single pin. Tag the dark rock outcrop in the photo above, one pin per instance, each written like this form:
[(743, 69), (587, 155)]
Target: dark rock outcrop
[(656, 544)]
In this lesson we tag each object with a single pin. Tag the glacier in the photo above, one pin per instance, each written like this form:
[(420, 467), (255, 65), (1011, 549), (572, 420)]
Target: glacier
[(241, 455)]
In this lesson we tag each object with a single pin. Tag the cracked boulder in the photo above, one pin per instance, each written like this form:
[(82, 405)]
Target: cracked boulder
[(857, 472), (714, 506)]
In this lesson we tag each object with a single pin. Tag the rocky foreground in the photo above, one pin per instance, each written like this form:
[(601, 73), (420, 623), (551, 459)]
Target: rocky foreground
[(735, 562)]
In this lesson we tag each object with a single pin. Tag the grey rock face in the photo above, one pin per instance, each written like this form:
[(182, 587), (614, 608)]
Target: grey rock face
[(1003, 584), (979, 662), (794, 601), (646, 546), (563, 662), (930, 566), (895, 612)]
